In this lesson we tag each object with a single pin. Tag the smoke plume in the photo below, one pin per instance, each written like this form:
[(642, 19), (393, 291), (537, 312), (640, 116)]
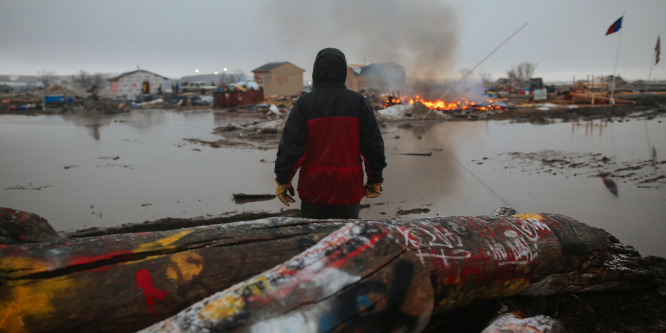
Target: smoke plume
[(420, 35)]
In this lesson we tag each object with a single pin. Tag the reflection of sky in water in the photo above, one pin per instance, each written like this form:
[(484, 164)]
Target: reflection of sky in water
[(157, 174)]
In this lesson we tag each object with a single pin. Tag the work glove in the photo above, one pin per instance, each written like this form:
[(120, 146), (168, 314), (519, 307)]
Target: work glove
[(281, 192), (373, 190)]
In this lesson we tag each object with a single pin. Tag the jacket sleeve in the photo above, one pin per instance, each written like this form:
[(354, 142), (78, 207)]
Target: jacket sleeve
[(372, 144), (292, 146)]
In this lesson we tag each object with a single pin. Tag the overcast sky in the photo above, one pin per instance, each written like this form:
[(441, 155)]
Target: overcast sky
[(434, 38)]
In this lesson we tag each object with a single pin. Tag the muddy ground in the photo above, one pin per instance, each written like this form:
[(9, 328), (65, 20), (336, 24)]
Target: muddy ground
[(640, 311), (261, 130)]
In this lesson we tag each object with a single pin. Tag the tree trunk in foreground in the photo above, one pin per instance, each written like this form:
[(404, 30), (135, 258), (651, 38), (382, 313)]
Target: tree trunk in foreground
[(330, 275), (390, 276), (124, 282)]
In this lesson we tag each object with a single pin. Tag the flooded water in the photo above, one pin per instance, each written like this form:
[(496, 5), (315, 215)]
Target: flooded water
[(94, 172)]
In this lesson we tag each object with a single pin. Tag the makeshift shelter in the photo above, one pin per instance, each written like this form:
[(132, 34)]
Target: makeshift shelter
[(54, 100), (134, 83), (280, 78)]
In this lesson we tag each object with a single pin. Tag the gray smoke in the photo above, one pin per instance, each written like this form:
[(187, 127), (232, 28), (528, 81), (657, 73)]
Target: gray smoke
[(420, 35)]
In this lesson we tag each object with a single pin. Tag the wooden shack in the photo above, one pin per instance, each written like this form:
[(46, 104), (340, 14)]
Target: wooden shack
[(280, 78)]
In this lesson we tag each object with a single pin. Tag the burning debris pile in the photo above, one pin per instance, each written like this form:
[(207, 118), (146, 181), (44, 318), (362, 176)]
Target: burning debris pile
[(398, 107), (460, 104)]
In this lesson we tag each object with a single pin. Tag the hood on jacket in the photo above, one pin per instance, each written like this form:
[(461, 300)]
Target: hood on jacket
[(330, 66)]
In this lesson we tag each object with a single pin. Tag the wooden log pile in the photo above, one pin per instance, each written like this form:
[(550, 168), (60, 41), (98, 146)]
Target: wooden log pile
[(298, 275)]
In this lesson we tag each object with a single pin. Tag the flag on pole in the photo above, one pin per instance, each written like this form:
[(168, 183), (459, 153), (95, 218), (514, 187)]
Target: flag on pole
[(615, 27), (657, 50)]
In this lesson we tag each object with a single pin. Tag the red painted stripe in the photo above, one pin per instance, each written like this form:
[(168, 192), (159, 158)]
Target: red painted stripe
[(373, 240)]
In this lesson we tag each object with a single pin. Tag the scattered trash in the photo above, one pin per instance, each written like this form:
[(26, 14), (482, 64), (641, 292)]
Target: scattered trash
[(274, 109)]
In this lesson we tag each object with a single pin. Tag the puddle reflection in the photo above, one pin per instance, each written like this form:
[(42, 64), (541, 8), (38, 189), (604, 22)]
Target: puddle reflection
[(610, 185)]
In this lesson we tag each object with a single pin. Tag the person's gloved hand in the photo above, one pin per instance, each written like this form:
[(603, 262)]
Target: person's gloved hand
[(281, 192), (373, 190)]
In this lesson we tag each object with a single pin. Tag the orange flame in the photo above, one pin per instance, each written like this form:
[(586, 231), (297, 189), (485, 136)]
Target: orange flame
[(460, 104)]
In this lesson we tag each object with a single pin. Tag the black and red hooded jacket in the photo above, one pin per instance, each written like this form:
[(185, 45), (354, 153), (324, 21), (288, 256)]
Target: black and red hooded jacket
[(331, 134)]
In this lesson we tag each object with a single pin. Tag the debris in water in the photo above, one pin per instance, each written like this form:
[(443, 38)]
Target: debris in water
[(241, 198), (417, 154)]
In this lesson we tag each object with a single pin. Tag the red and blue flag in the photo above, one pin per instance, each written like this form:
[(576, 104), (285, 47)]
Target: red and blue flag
[(615, 27)]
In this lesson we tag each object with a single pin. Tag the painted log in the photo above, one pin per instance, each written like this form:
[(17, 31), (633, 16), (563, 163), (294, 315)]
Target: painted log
[(390, 276), (124, 282), (18, 226)]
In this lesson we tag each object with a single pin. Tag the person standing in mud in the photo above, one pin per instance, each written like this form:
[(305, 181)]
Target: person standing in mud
[(331, 134)]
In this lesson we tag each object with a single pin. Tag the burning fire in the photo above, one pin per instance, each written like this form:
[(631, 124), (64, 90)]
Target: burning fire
[(460, 104)]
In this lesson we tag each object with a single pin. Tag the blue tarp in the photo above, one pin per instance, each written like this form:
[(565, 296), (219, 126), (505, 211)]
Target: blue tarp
[(54, 98)]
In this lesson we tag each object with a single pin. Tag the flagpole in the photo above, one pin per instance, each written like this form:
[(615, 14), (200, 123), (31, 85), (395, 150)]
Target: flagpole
[(617, 58), (654, 57)]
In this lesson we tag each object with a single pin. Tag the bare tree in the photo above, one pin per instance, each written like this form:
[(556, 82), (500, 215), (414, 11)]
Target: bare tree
[(87, 81), (519, 76), (82, 79), (97, 80), (46, 78)]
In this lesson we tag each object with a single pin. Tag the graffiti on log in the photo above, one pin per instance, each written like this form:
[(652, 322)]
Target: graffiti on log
[(125, 282), (357, 278), (145, 283), (302, 275), (392, 275)]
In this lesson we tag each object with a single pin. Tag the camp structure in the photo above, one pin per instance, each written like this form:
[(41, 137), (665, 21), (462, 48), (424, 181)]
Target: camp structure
[(280, 78), (134, 83), (590, 92)]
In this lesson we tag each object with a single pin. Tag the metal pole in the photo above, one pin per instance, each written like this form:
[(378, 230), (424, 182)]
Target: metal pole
[(617, 58), (484, 59), (477, 65)]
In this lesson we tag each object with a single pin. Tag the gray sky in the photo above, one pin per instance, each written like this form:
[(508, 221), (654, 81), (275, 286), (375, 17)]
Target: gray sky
[(434, 38)]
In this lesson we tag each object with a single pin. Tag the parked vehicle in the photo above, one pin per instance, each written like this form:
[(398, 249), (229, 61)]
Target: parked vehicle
[(201, 87)]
